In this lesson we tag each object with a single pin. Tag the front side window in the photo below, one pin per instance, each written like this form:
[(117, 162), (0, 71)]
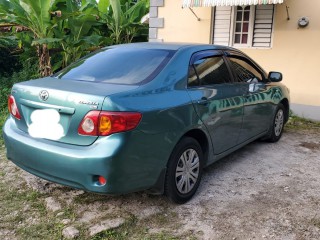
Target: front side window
[(208, 71), (245, 72)]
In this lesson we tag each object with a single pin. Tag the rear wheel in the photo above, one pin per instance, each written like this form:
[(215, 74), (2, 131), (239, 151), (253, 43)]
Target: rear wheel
[(184, 170), (277, 125)]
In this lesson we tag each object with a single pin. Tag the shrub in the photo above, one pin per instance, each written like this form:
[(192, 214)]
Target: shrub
[(28, 71)]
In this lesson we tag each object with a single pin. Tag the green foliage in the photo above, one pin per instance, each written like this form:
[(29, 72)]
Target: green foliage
[(103, 6), (6, 42), (60, 32), (87, 26), (76, 31), (28, 71), (33, 15), (3, 116), (9, 60), (4, 93), (123, 19)]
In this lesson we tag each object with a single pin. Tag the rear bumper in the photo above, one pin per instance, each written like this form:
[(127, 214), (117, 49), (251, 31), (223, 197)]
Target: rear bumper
[(113, 157)]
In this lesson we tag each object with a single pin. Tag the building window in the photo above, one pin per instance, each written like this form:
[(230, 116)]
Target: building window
[(243, 26)]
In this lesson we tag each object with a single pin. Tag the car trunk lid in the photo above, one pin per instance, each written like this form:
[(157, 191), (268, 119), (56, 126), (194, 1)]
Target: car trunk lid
[(71, 99)]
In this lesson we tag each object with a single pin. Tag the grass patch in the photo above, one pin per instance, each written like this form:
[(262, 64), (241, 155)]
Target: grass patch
[(15, 198), (129, 231), (299, 123), (316, 223), (121, 232), (23, 211), (139, 229), (44, 230), (89, 198), (18, 207)]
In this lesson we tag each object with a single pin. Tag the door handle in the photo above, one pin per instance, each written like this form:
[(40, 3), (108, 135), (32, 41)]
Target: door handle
[(203, 101)]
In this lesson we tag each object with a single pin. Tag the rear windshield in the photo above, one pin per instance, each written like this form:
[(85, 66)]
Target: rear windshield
[(118, 65)]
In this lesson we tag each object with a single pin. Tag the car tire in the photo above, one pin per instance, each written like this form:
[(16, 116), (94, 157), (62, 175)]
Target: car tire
[(184, 170), (277, 125)]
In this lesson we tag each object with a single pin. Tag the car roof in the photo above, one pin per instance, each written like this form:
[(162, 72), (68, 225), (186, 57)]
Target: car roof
[(170, 46)]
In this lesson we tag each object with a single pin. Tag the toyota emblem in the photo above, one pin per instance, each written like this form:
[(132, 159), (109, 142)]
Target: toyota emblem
[(44, 95)]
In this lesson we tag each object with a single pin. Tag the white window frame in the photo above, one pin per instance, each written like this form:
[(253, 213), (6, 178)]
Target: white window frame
[(223, 27), (251, 27)]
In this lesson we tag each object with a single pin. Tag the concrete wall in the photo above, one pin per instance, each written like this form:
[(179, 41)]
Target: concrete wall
[(180, 25), (295, 51)]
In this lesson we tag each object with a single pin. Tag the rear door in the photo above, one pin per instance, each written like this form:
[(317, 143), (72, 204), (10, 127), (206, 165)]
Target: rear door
[(251, 80), (217, 102)]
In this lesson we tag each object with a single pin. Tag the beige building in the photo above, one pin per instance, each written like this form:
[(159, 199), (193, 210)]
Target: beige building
[(281, 35)]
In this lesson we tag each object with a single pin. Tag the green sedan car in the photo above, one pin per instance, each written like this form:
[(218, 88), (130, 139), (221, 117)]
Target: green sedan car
[(145, 116)]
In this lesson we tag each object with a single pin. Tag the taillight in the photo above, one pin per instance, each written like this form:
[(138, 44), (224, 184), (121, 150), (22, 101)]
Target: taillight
[(89, 124), (13, 108), (102, 123)]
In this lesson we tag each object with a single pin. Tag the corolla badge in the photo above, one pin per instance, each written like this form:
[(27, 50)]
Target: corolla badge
[(44, 95)]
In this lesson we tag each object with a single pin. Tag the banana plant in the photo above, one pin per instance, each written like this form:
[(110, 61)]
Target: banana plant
[(35, 16), (6, 41), (76, 30), (123, 18), (72, 28)]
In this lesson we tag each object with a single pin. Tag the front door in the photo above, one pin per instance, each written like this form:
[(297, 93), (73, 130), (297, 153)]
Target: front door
[(257, 97), (217, 101)]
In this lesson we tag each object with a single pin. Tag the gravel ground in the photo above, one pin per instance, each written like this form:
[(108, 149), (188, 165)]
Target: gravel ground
[(263, 191)]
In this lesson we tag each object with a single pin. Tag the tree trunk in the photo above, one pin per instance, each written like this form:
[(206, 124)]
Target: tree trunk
[(44, 60)]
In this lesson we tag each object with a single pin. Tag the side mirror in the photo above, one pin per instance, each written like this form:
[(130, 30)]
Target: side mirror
[(275, 76)]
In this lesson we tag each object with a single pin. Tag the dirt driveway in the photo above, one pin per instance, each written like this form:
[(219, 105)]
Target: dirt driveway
[(264, 191)]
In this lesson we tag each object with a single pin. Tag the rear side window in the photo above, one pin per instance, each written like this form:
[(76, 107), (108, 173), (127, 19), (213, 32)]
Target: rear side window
[(118, 65), (208, 71), (245, 72)]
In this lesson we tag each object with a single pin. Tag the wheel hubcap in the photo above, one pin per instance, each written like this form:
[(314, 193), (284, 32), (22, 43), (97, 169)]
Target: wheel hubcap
[(187, 171), (278, 123)]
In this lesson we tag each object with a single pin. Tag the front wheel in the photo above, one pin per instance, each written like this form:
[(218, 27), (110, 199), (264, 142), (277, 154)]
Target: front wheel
[(277, 125), (184, 170)]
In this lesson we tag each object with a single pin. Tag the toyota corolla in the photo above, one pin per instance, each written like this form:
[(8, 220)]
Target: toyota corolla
[(144, 116)]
